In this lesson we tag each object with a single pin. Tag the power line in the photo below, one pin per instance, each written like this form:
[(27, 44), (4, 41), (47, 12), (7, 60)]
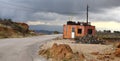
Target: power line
[(9, 3), (16, 6)]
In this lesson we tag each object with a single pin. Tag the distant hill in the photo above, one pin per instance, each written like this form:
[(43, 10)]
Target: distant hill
[(45, 32), (8, 28), (47, 27)]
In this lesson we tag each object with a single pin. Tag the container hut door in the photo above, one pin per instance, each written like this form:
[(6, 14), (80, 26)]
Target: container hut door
[(73, 33)]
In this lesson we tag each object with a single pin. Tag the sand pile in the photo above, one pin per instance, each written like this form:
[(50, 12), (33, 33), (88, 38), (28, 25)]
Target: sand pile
[(61, 52), (117, 51)]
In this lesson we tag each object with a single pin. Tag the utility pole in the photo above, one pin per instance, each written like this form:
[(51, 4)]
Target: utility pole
[(87, 13)]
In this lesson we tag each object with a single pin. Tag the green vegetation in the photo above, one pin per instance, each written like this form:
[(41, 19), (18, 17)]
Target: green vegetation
[(56, 32)]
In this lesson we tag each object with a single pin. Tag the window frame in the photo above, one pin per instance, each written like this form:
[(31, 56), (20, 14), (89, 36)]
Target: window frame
[(79, 31), (90, 31)]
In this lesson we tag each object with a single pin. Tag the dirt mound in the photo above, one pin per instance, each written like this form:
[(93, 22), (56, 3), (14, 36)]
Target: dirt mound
[(24, 26), (117, 45), (117, 52), (10, 29), (61, 52)]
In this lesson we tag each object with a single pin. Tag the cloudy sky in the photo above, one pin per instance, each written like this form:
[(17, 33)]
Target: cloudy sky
[(52, 14)]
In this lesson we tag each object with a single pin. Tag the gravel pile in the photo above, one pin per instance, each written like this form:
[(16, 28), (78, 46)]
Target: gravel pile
[(89, 40)]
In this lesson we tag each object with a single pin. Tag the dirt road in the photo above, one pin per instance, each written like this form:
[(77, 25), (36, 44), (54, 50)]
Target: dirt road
[(23, 49)]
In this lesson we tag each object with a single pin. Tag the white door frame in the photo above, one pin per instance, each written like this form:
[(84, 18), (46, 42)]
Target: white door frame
[(73, 33)]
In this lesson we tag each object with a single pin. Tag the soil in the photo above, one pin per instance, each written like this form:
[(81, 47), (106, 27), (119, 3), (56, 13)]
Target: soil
[(92, 52)]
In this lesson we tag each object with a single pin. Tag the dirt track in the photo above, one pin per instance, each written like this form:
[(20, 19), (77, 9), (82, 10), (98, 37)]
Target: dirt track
[(22, 49)]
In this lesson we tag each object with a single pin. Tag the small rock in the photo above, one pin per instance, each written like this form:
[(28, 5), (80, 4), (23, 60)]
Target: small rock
[(95, 53)]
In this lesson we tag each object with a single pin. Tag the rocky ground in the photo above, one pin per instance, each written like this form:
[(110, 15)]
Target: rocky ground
[(90, 52)]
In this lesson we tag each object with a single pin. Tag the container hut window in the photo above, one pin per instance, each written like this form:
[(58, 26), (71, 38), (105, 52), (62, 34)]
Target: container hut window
[(79, 31), (89, 31)]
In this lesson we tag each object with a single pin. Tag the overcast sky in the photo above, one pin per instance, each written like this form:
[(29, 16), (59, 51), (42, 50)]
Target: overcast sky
[(43, 13)]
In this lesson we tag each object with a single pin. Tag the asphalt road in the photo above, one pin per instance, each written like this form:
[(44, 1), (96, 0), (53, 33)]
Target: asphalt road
[(23, 49)]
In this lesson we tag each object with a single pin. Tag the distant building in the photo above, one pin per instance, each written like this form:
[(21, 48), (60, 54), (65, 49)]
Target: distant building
[(79, 29)]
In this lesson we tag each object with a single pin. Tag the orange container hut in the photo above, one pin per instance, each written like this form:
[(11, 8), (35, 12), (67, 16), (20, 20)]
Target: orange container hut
[(79, 29)]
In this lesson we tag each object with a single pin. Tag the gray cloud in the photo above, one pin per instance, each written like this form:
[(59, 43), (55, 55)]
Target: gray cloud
[(62, 6), (59, 6), (68, 6)]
